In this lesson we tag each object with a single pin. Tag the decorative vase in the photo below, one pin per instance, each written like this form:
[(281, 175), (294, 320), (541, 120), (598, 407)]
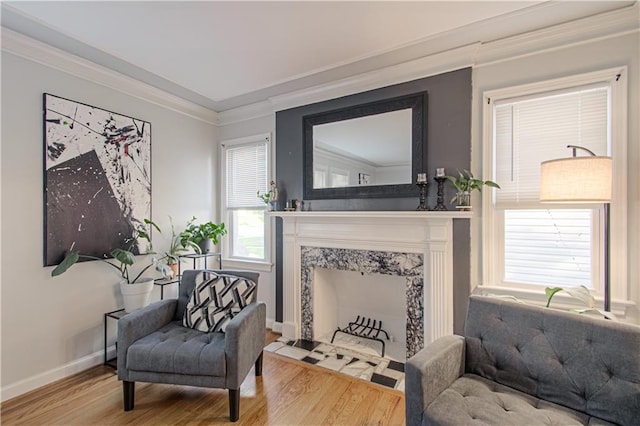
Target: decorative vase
[(205, 245), (136, 296), (272, 205), (463, 200)]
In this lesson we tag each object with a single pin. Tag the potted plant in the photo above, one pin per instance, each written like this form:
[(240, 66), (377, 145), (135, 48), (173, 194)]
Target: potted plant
[(134, 296), (465, 183), (176, 249), (205, 235), (270, 198)]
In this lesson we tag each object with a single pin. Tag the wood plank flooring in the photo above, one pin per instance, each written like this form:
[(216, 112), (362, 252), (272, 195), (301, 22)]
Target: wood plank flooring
[(289, 392)]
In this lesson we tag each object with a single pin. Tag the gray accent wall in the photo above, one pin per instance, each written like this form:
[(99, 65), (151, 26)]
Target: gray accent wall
[(448, 145)]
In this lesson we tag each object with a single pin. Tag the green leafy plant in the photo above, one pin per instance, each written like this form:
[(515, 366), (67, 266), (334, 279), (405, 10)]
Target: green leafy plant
[(466, 182), (271, 195), (266, 197), (122, 258), (176, 247), (581, 293), (194, 233)]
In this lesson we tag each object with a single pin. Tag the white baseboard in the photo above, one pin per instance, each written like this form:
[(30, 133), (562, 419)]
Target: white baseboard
[(84, 363), (39, 380), (23, 386)]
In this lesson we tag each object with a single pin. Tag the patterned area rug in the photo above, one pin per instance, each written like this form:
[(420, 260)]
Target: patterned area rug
[(372, 368)]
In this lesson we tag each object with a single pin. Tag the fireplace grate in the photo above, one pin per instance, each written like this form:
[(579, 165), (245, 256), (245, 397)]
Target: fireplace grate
[(365, 328)]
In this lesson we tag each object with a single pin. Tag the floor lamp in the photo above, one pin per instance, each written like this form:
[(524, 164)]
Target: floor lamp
[(581, 180)]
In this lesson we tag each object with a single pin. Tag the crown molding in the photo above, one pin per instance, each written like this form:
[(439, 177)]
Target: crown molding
[(429, 65), (244, 113), (585, 30), (437, 63), (36, 51)]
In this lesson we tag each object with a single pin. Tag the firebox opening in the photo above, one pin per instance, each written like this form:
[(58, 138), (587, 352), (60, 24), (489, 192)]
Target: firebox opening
[(340, 297)]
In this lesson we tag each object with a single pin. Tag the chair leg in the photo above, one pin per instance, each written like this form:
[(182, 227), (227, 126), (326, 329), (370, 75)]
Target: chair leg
[(234, 404), (128, 391), (259, 365)]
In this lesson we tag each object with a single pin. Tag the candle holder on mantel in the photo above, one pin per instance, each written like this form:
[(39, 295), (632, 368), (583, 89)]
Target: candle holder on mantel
[(440, 201), (423, 197)]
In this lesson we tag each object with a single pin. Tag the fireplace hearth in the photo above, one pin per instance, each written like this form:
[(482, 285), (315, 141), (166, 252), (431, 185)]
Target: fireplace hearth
[(417, 246)]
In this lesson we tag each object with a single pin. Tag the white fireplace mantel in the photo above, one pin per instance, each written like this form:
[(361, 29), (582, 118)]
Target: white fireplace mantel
[(427, 233)]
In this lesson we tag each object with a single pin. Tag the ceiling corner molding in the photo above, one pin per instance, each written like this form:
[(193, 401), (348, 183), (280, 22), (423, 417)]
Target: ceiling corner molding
[(244, 113), (36, 51), (585, 30), (426, 66)]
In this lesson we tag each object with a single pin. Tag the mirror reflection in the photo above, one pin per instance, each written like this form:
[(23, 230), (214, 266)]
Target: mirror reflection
[(368, 150), (364, 151)]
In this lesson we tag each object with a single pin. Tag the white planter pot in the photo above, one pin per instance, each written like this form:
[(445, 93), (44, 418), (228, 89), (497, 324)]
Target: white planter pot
[(136, 296)]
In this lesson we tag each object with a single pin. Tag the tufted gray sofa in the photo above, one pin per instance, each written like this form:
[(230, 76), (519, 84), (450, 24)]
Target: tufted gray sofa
[(153, 346), (525, 365)]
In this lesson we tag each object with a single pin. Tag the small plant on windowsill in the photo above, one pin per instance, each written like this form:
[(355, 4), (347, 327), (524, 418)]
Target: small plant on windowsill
[(581, 293), (270, 198)]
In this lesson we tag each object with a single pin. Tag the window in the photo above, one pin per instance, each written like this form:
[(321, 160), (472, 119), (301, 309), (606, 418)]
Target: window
[(245, 165), (339, 178), (531, 245)]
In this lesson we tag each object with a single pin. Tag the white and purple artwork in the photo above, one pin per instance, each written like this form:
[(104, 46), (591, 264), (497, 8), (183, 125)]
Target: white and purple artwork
[(97, 178)]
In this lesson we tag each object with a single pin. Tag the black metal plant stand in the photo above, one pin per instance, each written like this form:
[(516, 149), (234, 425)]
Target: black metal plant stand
[(423, 196), (366, 330), (440, 202)]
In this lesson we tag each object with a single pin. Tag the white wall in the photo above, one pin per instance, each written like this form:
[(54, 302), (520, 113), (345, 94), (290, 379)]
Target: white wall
[(52, 327), (571, 60), (267, 285)]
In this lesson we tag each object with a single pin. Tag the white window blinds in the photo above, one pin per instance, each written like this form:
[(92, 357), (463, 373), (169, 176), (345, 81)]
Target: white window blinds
[(548, 247), (246, 174), (529, 131)]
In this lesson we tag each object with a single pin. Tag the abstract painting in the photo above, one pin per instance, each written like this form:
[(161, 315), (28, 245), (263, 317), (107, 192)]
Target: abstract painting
[(97, 179)]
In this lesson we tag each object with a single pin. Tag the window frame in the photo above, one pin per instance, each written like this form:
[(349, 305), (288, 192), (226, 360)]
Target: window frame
[(493, 224), (244, 262)]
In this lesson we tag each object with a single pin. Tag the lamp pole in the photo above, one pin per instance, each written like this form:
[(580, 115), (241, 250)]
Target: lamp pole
[(585, 179)]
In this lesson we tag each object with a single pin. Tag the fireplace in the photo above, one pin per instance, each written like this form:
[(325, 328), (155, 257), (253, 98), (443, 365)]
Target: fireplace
[(416, 246)]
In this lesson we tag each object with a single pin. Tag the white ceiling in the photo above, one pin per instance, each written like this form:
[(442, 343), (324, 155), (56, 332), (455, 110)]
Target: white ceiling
[(223, 55)]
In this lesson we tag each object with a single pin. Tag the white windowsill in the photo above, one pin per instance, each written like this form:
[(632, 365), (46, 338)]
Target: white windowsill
[(253, 265), (559, 301)]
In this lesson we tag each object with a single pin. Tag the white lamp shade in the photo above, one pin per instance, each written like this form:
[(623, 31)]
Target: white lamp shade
[(576, 180)]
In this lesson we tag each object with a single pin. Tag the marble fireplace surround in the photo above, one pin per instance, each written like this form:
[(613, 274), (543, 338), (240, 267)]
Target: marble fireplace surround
[(418, 245), (406, 265)]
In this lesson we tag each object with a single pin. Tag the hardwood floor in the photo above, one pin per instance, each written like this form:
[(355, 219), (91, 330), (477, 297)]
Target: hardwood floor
[(289, 392)]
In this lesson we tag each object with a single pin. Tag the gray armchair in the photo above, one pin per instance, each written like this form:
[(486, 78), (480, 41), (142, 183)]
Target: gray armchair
[(154, 346)]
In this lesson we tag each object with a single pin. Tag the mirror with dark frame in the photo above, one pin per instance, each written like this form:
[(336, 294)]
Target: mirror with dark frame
[(372, 150)]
